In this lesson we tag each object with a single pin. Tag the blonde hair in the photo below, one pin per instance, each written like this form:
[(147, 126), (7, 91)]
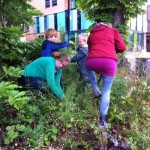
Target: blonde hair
[(83, 36), (50, 32), (104, 23), (61, 56), (108, 24)]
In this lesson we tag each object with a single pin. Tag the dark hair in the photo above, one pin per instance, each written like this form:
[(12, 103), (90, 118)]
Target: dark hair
[(60, 56)]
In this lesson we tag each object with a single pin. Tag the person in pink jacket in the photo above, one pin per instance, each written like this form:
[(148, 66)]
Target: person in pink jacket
[(104, 43)]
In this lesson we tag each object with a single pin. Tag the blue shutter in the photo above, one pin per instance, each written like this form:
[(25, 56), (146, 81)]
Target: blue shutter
[(73, 20), (50, 21), (41, 24), (85, 24), (45, 22), (61, 21), (35, 24)]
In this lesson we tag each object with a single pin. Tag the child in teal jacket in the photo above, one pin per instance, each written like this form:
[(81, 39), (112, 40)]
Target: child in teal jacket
[(46, 72)]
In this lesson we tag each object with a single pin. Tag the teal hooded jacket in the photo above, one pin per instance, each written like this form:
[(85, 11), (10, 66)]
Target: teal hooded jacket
[(45, 68)]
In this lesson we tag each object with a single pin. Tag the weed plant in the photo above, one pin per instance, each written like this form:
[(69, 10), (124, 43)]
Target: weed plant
[(46, 121), (130, 109)]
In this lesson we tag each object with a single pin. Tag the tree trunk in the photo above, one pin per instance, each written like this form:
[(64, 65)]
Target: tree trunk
[(118, 18)]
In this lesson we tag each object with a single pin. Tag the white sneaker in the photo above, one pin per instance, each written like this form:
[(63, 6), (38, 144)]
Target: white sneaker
[(105, 125)]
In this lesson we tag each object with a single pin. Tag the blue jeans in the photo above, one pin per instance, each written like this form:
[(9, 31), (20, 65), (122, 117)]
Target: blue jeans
[(33, 83), (106, 89), (93, 81)]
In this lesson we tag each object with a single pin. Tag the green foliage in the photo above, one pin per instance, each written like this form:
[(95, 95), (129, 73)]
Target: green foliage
[(118, 91), (12, 134), (14, 52), (12, 71), (138, 133), (44, 120), (124, 30), (118, 13), (9, 92), (131, 107), (115, 12), (23, 9)]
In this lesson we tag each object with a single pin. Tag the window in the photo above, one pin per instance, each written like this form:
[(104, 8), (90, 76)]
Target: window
[(26, 28), (55, 21), (148, 42), (148, 12), (73, 4), (37, 25), (140, 42), (47, 3), (130, 38), (79, 20), (45, 22), (54, 2), (67, 23)]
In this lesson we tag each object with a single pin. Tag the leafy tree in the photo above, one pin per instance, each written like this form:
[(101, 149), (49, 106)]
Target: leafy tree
[(17, 13), (113, 11)]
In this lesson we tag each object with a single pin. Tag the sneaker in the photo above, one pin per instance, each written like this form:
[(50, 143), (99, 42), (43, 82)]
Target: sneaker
[(104, 125)]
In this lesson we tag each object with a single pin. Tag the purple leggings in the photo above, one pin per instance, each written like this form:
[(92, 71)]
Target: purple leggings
[(105, 66)]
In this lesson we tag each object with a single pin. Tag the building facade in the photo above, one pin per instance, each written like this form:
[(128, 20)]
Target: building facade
[(55, 15), (138, 52)]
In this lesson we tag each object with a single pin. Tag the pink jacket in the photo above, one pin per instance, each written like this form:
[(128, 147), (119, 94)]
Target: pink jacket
[(105, 42)]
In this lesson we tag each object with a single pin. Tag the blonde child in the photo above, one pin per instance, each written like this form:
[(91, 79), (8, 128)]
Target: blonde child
[(80, 58)]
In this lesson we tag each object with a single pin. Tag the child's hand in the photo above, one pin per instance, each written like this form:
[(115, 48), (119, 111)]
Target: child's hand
[(58, 38)]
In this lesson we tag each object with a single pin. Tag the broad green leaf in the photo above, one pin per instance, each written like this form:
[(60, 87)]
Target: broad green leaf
[(20, 127)]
